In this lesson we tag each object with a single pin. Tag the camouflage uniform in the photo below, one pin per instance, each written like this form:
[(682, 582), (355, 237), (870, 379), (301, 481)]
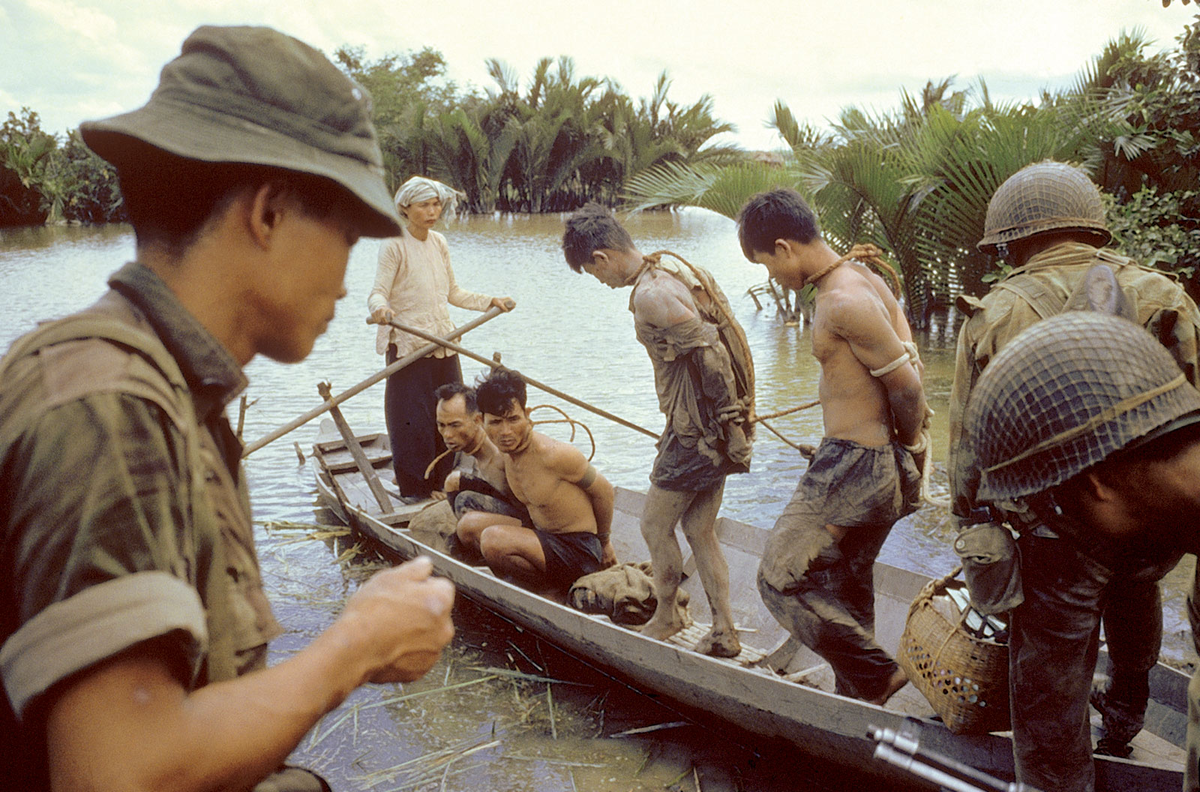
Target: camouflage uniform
[(125, 515)]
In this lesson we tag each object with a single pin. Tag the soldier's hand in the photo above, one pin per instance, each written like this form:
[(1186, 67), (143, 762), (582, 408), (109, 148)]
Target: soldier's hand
[(401, 618), (382, 315)]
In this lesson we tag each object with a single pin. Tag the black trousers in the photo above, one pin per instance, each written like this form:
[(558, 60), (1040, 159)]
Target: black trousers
[(409, 406)]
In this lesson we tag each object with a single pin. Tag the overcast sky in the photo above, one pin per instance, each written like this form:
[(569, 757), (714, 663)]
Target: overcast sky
[(71, 60)]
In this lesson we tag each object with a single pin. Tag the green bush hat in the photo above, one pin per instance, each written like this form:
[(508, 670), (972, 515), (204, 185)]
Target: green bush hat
[(254, 95)]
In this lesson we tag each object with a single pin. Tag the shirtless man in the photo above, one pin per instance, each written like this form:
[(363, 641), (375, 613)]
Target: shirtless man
[(705, 383), (570, 504), (816, 572), (478, 482)]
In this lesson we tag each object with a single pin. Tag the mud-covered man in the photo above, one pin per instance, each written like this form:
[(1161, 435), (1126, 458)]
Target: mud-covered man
[(705, 382), (570, 504), (816, 573)]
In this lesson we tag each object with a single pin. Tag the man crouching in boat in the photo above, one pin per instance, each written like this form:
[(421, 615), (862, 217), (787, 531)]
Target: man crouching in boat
[(705, 381), (477, 482), (570, 504), (816, 571)]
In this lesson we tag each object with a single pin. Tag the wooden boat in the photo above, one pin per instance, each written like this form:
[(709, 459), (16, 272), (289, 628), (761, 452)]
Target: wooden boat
[(776, 687)]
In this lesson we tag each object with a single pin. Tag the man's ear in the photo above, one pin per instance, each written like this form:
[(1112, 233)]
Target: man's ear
[(267, 205), (1097, 489), (599, 257), (784, 247)]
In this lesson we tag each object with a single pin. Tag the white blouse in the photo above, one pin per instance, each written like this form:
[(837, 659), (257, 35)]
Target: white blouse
[(415, 279)]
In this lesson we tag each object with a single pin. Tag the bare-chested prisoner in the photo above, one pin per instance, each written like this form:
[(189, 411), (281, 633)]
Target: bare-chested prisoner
[(815, 576), (705, 382), (570, 504), (477, 482)]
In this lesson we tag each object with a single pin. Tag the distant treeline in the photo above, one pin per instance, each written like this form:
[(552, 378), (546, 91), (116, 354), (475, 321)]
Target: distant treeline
[(559, 142)]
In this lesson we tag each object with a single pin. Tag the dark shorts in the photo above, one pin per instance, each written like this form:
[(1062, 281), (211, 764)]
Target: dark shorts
[(682, 469), (470, 500), (570, 556)]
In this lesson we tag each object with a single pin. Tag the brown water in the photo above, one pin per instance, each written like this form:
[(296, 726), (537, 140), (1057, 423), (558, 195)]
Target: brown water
[(467, 725)]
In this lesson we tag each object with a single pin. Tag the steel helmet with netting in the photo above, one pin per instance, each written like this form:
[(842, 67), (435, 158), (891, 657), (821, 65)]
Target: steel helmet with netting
[(1045, 196), (1067, 393)]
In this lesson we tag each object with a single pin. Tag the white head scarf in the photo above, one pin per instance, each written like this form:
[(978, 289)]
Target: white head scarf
[(419, 188)]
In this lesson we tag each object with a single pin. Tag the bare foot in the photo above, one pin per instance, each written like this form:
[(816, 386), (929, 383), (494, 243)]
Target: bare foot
[(720, 643), (898, 680), (661, 629)]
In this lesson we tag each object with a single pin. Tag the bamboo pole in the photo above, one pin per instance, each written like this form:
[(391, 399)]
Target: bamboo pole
[(378, 376), (529, 380)]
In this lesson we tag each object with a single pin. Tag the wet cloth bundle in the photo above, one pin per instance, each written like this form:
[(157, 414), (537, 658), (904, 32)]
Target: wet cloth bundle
[(625, 593)]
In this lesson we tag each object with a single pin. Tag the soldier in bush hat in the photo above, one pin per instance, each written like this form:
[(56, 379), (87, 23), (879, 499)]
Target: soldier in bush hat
[(1047, 221), (133, 612), (1086, 424)]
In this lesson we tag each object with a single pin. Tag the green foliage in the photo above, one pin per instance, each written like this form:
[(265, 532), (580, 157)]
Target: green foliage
[(1161, 230), (25, 152), (551, 146), (44, 181)]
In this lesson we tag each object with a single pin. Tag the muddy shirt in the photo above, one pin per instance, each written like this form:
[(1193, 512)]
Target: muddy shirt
[(1163, 307), (124, 516), (702, 367)]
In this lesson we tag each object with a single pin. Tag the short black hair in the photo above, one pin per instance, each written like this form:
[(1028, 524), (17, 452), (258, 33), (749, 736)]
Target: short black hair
[(170, 199), (497, 393), (775, 214), (451, 389), (590, 229)]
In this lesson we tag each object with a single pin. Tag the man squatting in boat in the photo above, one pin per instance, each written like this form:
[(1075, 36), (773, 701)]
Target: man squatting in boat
[(816, 571), (477, 482), (705, 381), (1048, 221), (133, 623), (1085, 421), (570, 504)]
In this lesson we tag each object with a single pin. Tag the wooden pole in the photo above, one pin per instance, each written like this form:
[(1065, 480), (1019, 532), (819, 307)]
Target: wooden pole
[(548, 389), (271, 437), (360, 458)]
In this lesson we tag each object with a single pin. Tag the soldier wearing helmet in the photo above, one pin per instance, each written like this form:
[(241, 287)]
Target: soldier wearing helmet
[(1088, 424), (1047, 221)]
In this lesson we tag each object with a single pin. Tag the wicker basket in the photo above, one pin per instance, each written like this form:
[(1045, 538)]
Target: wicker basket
[(965, 679)]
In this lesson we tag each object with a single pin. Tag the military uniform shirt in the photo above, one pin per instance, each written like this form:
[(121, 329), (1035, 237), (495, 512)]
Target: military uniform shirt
[(124, 516)]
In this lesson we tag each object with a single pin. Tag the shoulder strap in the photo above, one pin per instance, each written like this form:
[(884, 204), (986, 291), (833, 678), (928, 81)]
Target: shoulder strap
[(1044, 302)]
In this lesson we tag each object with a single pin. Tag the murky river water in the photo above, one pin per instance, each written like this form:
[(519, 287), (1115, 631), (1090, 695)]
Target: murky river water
[(484, 719)]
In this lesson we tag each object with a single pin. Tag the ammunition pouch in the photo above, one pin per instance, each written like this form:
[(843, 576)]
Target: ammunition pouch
[(991, 566)]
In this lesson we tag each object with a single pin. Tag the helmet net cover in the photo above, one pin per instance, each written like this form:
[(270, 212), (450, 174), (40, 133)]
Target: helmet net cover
[(1064, 395), (1045, 196)]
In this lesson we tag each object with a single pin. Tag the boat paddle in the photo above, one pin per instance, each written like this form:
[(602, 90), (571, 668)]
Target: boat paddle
[(378, 376), (529, 380)]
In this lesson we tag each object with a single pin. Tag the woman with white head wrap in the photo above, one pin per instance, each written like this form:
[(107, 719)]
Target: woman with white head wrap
[(413, 284)]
